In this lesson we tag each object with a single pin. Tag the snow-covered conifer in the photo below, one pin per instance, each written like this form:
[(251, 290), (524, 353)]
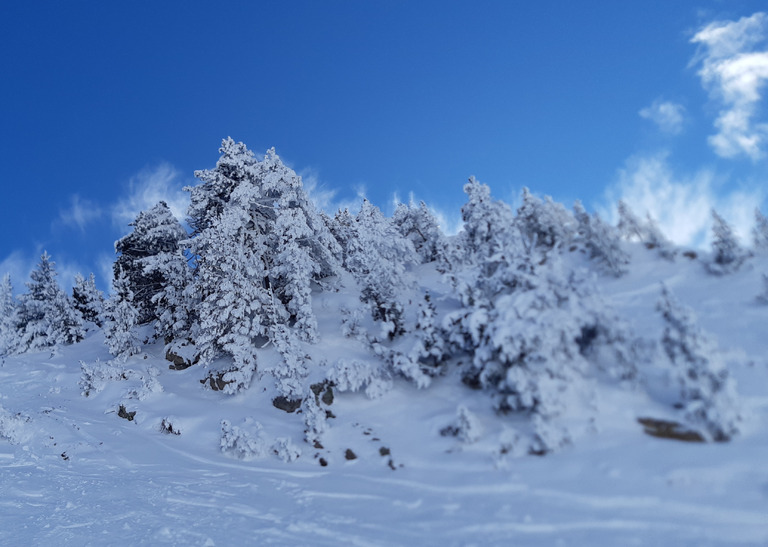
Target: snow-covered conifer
[(155, 239), (342, 228), (489, 225), (377, 255), (467, 427), (121, 319), (354, 375), (647, 232), (707, 391), (655, 239), (259, 244), (527, 350), (34, 304), (292, 370), (630, 226), (46, 316), (417, 224), (601, 241), (294, 270), (9, 334), (760, 233), (66, 326), (88, 300), (429, 349), (174, 304), (230, 276), (488, 244), (521, 323), (315, 420), (727, 254), (544, 221)]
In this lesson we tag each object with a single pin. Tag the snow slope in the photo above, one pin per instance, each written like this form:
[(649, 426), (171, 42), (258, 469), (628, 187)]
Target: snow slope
[(75, 473)]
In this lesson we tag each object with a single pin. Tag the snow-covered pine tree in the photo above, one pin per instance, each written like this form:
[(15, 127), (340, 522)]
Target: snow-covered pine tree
[(727, 254), (647, 232), (289, 374), (489, 225), (655, 239), (230, 279), (259, 244), (342, 228), (417, 224), (175, 303), (9, 334), (707, 391), (88, 300), (311, 232), (66, 325), (523, 339), (155, 240), (121, 319), (544, 221), (527, 322), (487, 245), (490, 239), (429, 349), (294, 269), (601, 241), (630, 226), (760, 233), (377, 255), (46, 316), (34, 304)]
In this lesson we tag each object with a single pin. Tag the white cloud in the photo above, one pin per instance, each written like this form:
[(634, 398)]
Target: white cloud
[(146, 189), (681, 204), (668, 116), (734, 70), (80, 213), (323, 197)]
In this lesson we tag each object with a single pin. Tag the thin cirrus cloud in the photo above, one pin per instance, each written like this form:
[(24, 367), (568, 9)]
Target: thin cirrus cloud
[(681, 204), (668, 116), (146, 189), (80, 213), (733, 59)]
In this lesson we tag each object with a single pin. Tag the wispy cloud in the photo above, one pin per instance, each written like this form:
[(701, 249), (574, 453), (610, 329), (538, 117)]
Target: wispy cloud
[(322, 196), (734, 70), (105, 271), (79, 214), (668, 116), (681, 204), (146, 189)]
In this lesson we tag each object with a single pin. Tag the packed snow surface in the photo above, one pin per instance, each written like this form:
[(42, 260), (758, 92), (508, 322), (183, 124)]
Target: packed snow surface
[(197, 467)]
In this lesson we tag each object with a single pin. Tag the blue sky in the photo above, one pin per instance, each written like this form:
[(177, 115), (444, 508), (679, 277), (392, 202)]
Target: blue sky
[(107, 107)]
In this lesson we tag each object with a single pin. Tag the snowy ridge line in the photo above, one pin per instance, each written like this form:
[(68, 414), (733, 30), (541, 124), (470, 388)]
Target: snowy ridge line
[(283, 376)]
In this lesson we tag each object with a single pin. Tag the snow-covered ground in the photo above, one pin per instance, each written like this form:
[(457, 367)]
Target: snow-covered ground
[(73, 472)]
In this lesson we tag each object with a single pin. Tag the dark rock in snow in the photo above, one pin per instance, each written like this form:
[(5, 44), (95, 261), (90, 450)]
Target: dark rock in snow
[(286, 404), (123, 413), (669, 430)]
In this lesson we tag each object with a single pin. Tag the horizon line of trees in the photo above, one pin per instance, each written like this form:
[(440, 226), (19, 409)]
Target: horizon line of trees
[(259, 248)]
